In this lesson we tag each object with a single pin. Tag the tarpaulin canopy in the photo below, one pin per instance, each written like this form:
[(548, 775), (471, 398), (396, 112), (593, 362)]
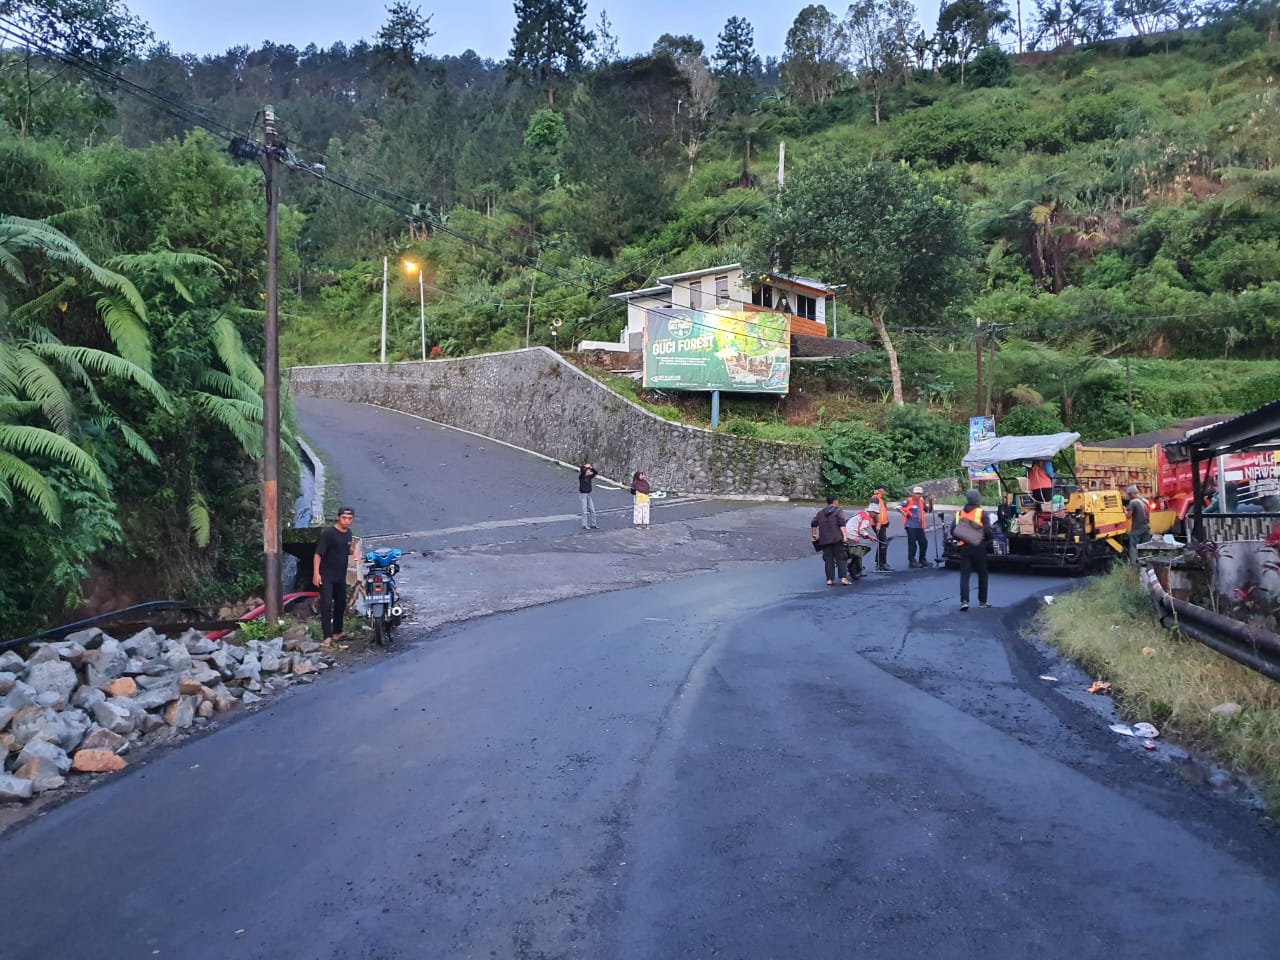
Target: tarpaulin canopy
[(1011, 449)]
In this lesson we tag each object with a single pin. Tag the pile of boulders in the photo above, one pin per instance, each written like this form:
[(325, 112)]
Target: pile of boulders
[(80, 703)]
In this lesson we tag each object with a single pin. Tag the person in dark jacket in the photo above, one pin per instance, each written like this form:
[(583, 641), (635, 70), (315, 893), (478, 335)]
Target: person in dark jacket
[(585, 475), (971, 530), (828, 532)]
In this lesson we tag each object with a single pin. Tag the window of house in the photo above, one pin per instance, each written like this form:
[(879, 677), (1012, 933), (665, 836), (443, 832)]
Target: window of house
[(806, 307), (722, 290), (762, 295), (695, 294)]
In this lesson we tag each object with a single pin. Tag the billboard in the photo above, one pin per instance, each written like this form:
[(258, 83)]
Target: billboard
[(982, 428), (739, 350)]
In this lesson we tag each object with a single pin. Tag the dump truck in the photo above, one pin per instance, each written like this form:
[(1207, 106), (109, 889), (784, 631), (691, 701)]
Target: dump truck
[(1164, 480), (1076, 531)]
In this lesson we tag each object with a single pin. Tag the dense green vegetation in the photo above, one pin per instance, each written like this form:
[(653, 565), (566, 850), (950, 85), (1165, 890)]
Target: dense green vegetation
[(1103, 199)]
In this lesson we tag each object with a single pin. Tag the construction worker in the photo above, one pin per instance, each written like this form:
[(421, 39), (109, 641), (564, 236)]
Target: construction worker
[(862, 536), (1139, 520), (971, 531), (882, 530), (1040, 481), (914, 518)]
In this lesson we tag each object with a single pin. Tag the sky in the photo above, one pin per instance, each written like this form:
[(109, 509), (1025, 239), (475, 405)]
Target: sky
[(485, 26)]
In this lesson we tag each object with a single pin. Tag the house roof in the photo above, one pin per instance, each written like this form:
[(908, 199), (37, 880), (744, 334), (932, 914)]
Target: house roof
[(672, 278), (1257, 430), (802, 282), (1171, 434), (646, 292)]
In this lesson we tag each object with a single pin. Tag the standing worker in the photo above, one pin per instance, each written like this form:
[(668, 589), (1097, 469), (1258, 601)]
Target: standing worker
[(329, 573), (828, 532), (972, 531), (1040, 481), (882, 530), (1139, 520), (917, 524)]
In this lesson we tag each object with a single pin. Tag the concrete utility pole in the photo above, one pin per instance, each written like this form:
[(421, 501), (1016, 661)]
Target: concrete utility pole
[(271, 386), (782, 164), (422, 309), (977, 400), (382, 352)]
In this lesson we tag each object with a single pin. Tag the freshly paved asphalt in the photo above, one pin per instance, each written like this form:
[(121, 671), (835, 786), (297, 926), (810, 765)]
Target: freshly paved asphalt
[(741, 763)]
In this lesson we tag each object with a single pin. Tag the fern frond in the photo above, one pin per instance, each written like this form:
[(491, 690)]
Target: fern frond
[(39, 442), (126, 332), (231, 351), (25, 316), (198, 519), (232, 415), (133, 440), (229, 386), (39, 382), (105, 364), (19, 475)]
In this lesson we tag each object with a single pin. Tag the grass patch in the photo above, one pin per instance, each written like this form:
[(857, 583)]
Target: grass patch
[(1105, 626)]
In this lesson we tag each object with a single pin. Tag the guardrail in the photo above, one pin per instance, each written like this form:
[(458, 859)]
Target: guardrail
[(1249, 646)]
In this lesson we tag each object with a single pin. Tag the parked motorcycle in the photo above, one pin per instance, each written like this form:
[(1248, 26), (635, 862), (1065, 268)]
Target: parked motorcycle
[(381, 599)]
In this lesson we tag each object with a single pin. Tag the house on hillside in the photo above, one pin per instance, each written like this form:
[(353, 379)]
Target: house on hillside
[(810, 303)]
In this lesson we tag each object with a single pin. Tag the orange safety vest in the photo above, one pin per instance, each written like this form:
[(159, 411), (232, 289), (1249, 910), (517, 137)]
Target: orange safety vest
[(1037, 477), (917, 502), (973, 516), (883, 517)]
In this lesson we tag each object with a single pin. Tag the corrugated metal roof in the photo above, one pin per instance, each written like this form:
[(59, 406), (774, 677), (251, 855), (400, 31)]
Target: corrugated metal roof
[(1257, 429), (1171, 434)]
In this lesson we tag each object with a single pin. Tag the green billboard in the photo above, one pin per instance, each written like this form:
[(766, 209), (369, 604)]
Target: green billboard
[(741, 350)]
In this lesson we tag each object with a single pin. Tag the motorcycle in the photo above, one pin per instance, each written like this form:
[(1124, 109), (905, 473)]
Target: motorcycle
[(381, 599)]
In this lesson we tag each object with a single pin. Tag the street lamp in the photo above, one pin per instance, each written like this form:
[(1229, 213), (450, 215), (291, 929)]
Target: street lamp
[(422, 303)]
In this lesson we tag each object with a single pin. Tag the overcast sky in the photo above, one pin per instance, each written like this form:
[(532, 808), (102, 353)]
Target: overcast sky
[(485, 26)]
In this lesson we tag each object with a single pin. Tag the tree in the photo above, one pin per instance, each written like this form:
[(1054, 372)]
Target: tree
[(604, 46), (1067, 22), (880, 41), (966, 26), (550, 40), (678, 48), (696, 106), (401, 41), (814, 54), (737, 65), (899, 246)]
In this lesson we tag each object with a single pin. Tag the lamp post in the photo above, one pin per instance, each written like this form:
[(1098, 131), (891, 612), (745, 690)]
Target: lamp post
[(422, 303), (382, 354)]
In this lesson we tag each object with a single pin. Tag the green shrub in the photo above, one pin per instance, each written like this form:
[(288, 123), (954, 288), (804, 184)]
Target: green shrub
[(1028, 421), (992, 67), (924, 445)]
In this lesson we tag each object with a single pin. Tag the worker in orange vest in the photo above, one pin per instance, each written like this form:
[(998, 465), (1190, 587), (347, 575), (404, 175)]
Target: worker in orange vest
[(881, 520), (916, 522), (971, 531), (1040, 481)]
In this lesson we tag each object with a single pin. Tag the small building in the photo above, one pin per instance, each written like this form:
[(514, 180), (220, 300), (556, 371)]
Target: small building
[(810, 303)]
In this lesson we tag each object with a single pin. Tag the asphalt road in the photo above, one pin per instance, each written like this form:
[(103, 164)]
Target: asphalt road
[(740, 763)]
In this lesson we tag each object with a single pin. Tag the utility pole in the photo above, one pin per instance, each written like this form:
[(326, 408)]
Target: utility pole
[(422, 309), (382, 353), (528, 314), (271, 386), (977, 337), (782, 164), (1128, 382)]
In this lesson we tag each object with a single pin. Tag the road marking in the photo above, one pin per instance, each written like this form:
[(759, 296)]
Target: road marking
[(517, 522)]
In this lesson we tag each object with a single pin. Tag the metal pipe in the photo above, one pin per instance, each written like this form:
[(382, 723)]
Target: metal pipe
[(1241, 640)]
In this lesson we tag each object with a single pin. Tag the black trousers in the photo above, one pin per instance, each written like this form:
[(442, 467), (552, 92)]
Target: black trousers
[(973, 560), (835, 557), (917, 542), (333, 601), (882, 546)]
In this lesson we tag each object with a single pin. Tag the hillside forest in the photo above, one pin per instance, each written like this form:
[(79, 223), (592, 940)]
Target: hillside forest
[(1095, 181)]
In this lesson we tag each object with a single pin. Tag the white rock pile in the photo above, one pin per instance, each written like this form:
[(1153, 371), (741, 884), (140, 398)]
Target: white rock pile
[(79, 704)]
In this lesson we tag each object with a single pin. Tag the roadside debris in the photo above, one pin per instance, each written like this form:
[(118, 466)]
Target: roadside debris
[(1145, 730), (1148, 651), (1123, 729), (1226, 710), (80, 704), (1148, 744), (1050, 679), (1099, 686), (1048, 599)]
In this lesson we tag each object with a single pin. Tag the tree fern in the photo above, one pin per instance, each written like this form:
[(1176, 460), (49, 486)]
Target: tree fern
[(36, 380), (165, 265), (228, 386), (105, 364), (236, 416), (231, 351), (126, 331)]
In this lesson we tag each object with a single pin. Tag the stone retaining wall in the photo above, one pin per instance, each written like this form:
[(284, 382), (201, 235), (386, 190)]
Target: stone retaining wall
[(535, 400)]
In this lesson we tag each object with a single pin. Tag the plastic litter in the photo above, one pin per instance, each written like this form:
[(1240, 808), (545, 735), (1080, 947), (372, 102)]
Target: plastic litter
[(1148, 744), (1148, 651), (1124, 731), (1048, 599), (1099, 686), (1226, 709), (1146, 730), (1051, 679)]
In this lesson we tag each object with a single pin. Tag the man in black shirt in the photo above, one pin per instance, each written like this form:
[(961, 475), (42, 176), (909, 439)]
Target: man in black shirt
[(585, 476), (329, 573)]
